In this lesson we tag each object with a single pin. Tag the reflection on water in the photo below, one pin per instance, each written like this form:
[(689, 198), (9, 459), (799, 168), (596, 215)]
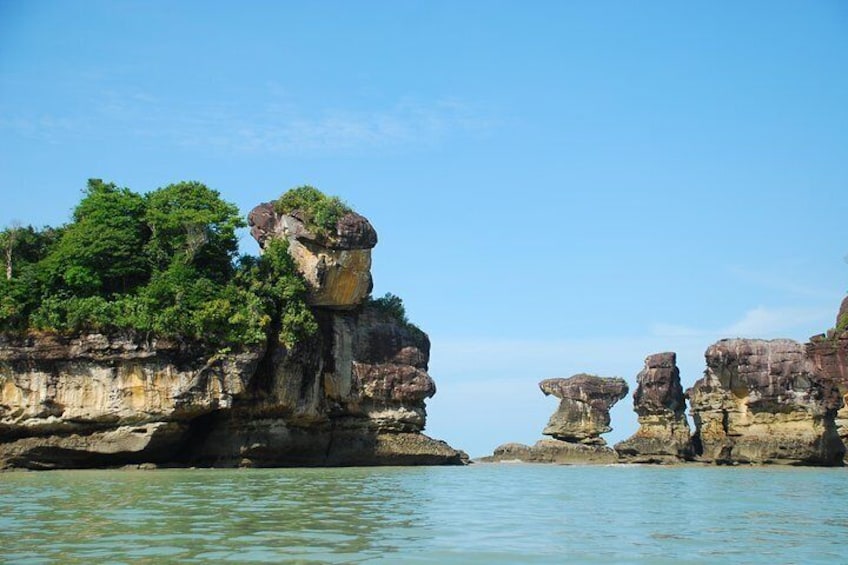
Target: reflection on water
[(483, 514)]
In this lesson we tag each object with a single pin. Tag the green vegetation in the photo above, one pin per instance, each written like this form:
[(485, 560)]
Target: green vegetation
[(165, 262), (390, 305), (315, 208)]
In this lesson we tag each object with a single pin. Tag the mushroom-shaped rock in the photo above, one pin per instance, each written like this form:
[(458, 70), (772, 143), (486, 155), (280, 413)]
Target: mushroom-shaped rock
[(764, 402), (585, 402), (663, 435), (335, 264)]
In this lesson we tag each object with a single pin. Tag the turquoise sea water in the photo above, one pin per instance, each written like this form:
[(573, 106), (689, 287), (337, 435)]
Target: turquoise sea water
[(479, 514)]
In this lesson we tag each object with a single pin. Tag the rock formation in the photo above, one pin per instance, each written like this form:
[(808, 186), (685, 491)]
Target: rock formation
[(337, 267), (552, 451), (585, 402), (353, 394), (663, 435), (764, 402), (577, 425), (829, 354)]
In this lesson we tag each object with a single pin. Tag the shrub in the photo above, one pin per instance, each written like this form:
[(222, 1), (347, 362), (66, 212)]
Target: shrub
[(315, 208), (390, 305)]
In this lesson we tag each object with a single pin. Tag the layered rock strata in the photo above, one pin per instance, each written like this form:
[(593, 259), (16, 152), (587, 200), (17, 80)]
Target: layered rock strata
[(353, 394), (583, 412), (552, 451), (829, 354), (336, 266), (663, 435), (576, 426), (764, 402)]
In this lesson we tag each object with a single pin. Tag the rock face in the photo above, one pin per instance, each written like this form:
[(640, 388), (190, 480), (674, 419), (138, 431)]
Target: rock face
[(663, 435), (829, 354), (764, 402), (585, 402), (92, 399), (353, 394), (337, 267), (552, 451)]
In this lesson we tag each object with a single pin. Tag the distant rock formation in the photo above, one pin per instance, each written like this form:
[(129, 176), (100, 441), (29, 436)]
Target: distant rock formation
[(337, 267), (577, 425), (353, 394), (764, 402), (585, 402), (663, 435), (552, 451)]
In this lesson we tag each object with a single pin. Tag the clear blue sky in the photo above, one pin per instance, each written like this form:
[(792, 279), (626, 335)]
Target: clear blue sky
[(558, 186)]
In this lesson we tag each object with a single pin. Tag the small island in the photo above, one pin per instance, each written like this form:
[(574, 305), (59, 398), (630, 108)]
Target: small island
[(135, 335)]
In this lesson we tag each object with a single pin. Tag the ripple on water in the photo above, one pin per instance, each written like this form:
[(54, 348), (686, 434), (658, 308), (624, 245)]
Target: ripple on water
[(479, 514)]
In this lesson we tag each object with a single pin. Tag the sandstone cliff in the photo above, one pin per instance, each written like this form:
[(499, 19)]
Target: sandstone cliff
[(764, 402), (829, 354), (353, 394), (663, 435)]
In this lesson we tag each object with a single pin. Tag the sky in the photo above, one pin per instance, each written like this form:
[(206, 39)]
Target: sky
[(558, 187)]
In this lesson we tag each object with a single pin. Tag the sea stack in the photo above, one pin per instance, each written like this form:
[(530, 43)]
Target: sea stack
[(576, 426), (764, 402), (659, 402), (583, 412)]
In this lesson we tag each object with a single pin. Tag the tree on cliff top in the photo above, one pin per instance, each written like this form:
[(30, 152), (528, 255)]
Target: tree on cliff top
[(190, 223), (163, 263), (101, 251)]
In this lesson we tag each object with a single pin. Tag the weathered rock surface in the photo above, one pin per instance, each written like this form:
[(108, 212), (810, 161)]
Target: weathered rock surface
[(92, 398), (764, 402), (659, 402), (829, 354), (553, 451), (353, 395), (337, 267), (585, 402)]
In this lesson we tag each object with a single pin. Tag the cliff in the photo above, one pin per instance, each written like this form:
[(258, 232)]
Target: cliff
[(829, 354), (764, 402), (351, 394)]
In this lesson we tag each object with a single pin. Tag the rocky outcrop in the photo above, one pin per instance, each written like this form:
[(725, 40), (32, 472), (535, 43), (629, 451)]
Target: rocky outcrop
[(576, 426), (663, 435), (93, 399), (829, 354), (764, 402), (552, 451), (353, 394), (336, 266), (585, 402)]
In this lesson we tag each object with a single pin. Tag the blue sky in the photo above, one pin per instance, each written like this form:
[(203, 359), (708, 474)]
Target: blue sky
[(558, 187)]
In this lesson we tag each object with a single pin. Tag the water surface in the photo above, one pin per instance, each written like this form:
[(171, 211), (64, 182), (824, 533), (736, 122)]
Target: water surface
[(479, 514)]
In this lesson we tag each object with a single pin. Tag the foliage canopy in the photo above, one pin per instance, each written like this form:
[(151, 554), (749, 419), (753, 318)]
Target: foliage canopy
[(165, 262)]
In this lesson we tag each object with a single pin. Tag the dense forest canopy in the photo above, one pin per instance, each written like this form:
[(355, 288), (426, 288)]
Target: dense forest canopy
[(164, 262)]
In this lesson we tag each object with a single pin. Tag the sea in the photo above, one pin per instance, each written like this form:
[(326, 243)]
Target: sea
[(483, 513)]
